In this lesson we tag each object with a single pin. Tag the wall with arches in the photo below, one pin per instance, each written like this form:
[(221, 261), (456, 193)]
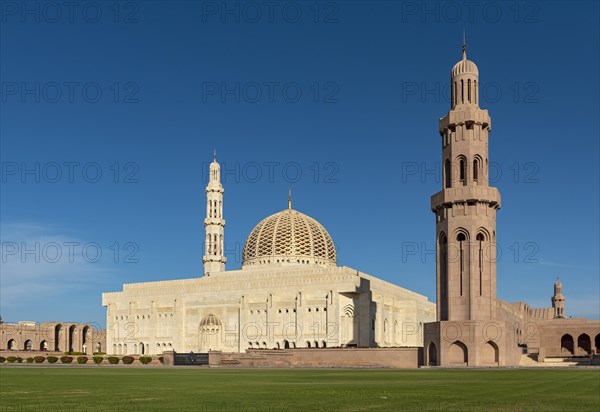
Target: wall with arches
[(52, 337)]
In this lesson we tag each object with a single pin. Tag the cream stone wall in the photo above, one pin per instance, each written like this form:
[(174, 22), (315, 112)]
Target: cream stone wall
[(268, 307)]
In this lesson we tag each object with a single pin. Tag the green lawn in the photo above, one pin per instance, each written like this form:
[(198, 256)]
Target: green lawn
[(59, 388)]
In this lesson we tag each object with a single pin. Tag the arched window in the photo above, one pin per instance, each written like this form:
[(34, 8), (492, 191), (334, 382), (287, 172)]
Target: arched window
[(476, 169), (460, 238), (469, 90), (475, 94), (210, 208), (480, 239), (444, 276), (455, 94), (462, 91), (448, 174), (215, 244), (463, 170)]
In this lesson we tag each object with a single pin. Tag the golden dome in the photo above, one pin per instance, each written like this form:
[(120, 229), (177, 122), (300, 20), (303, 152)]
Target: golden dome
[(289, 237)]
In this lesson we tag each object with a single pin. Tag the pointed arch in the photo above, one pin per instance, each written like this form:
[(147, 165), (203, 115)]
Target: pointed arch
[(447, 174), (462, 169), (462, 237), (476, 166), (584, 343), (458, 354), (443, 263), (567, 345), (58, 332), (490, 354), (432, 355), (469, 90)]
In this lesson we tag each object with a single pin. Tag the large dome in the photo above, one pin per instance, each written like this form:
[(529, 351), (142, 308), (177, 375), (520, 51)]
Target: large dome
[(289, 237)]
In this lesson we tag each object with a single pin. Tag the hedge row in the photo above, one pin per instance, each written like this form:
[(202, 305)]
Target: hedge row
[(113, 360)]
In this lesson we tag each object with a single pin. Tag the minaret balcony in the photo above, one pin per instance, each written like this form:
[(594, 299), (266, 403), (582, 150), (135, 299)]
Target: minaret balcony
[(214, 221), (464, 194), (455, 117)]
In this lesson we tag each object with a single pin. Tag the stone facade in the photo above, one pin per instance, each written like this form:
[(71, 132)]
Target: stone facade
[(273, 307)]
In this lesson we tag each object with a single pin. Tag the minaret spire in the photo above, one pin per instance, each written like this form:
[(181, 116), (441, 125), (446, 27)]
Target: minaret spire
[(289, 198), (214, 224), (464, 47)]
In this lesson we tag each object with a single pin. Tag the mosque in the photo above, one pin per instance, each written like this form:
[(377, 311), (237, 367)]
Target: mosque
[(291, 294)]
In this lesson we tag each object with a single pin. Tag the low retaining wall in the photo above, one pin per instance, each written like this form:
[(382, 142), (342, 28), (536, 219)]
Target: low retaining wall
[(325, 357)]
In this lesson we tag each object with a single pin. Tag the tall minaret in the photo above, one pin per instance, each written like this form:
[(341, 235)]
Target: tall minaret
[(558, 300), (214, 249), (466, 206)]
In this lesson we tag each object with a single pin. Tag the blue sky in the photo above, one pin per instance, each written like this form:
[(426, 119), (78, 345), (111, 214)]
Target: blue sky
[(109, 117)]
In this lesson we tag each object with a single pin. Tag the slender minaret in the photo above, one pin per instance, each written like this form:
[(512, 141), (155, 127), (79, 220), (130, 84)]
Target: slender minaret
[(466, 206), (214, 246), (558, 300)]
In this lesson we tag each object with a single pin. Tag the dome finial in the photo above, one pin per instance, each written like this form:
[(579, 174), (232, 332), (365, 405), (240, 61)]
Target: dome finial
[(215, 154), (464, 48), (289, 197)]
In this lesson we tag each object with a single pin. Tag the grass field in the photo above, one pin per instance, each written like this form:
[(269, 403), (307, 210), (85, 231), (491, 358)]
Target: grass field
[(190, 389)]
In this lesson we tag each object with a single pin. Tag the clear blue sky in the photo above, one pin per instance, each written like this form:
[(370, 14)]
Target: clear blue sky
[(348, 94)]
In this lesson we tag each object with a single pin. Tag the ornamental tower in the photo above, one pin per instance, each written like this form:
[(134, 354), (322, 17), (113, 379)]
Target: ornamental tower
[(558, 300), (214, 224), (466, 206)]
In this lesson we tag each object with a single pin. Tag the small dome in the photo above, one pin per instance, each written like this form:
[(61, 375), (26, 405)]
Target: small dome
[(210, 320), (289, 237), (465, 66)]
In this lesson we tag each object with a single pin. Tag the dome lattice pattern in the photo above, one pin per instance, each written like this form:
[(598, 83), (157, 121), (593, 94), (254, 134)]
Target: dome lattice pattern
[(289, 237)]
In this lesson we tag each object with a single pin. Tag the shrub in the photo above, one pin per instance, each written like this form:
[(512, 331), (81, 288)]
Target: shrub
[(29, 360), (2, 359), (82, 359), (98, 360), (19, 359), (128, 360), (145, 359), (74, 353), (66, 359), (99, 353), (113, 360), (52, 359), (11, 359), (39, 359), (161, 359)]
